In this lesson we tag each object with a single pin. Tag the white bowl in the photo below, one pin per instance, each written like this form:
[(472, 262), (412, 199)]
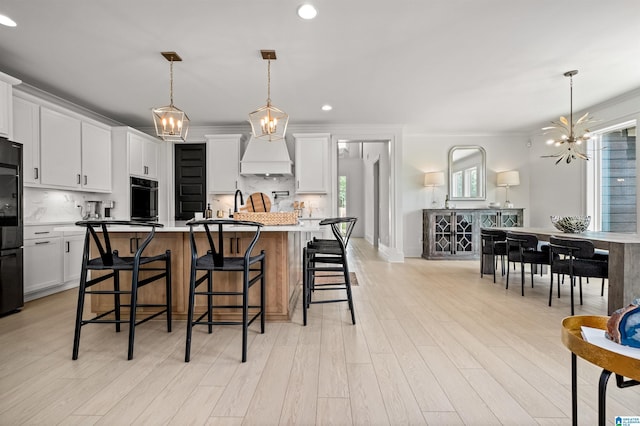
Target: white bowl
[(571, 224)]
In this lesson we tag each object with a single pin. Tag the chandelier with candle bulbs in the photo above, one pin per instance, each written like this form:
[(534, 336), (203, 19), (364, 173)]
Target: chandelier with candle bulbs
[(569, 136), (268, 122), (172, 124)]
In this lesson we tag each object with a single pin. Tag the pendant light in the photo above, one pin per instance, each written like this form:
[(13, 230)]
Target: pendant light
[(268, 122), (172, 124), (569, 135)]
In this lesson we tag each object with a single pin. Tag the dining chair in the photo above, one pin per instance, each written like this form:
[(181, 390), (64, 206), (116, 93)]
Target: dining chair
[(576, 258), (494, 246), (525, 249)]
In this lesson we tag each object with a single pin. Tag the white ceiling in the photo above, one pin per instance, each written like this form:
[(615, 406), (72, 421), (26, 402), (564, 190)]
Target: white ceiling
[(445, 66)]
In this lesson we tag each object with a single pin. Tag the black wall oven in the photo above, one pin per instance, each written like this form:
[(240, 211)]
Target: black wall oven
[(11, 227), (144, 199)]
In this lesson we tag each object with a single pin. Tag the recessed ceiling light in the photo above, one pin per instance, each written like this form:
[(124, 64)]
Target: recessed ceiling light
[(307, 11), (5, 20), (327, 107)]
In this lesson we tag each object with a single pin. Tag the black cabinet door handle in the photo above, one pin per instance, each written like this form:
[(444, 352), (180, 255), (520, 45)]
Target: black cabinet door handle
[(42, 242), (36, 176), (231, 245), (131, 245), (237, 245), (78, 175), (68, 249)]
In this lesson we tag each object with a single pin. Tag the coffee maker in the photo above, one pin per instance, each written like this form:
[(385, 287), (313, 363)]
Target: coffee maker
[(108, 205), (93, 210)]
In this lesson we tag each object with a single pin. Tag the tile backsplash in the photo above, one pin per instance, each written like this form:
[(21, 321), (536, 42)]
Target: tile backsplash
[(315, 205), (51, 205)]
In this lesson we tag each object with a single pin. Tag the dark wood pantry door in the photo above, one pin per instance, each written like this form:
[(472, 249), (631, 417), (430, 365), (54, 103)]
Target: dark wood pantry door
[(191, 175)]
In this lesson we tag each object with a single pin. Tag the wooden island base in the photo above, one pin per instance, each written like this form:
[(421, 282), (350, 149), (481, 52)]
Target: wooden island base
[(283, 272)]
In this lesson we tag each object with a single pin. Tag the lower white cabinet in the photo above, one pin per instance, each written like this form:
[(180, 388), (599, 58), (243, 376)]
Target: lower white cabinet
[(73, 248), (52, 261), (42, 264)]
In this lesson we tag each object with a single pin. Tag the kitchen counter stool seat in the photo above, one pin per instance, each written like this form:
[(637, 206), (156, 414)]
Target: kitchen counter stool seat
[(328, 256), (108, 260), (213, 260)]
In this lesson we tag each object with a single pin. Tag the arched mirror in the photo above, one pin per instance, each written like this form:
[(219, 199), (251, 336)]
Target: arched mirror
[(467, 173)]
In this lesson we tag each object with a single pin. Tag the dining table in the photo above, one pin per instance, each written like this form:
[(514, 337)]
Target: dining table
[(624, 259)]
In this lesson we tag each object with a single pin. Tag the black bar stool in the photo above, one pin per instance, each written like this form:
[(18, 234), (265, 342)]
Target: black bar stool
[(215, 260), (323, 255), (108, 260)]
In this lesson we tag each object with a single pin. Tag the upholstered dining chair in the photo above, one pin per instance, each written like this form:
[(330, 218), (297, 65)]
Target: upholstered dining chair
[(494, 246), (576, 258), (523, 249)]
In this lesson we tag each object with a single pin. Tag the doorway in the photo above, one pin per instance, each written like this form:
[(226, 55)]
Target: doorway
[(190, 180), (363, 180)]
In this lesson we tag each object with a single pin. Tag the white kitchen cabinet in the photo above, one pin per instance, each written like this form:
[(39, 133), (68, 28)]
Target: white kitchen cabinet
[(6, 105), (73, 247), (223, 163), (143, 156), (43, 264), (26, 130), (96, 158), (60, 149), (312, 163)]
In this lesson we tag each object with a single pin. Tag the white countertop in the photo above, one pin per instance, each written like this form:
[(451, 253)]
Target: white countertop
[(179, 226)]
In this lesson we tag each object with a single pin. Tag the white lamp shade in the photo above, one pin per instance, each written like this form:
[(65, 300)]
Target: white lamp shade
[(434, 179), (510, 178)]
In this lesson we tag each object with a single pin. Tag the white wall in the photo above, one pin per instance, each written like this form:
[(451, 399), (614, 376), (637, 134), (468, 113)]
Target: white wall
[(427, 153)]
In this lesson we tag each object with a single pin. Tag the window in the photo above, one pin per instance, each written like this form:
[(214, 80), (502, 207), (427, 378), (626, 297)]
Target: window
[(465, 183), (611, 179)]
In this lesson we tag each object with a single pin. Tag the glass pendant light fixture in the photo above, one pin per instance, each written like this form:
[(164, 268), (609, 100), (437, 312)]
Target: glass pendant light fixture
[(568, 135), (268, 122), (172, 124)]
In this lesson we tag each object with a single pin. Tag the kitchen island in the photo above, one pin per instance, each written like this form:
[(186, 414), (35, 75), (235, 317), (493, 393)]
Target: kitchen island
[(282, 245)]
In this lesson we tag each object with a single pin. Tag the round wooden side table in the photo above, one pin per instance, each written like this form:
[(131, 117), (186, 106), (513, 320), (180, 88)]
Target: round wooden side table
[(611, 362)]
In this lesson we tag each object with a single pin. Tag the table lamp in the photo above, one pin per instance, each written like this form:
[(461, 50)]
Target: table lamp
[(433, 179), (507, 179)]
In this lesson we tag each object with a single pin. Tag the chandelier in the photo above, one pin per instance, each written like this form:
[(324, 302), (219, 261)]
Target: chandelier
[(268, 122), (172, 124), (569, 135)]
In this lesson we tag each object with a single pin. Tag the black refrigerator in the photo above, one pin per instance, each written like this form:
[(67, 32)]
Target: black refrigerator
[(11, 227)]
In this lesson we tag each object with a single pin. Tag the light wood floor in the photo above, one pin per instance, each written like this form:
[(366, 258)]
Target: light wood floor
[(434, 344)]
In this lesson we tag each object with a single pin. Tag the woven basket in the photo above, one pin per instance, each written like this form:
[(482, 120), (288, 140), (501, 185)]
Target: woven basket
[(269, 218)]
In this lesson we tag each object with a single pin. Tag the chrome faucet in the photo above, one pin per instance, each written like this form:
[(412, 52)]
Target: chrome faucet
[(235, 200)]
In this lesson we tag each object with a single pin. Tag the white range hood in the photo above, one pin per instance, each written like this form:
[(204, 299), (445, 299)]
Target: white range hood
[(266, 158)]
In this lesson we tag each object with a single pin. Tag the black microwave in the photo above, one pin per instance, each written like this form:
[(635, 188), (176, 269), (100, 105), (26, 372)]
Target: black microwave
[(144, 199)]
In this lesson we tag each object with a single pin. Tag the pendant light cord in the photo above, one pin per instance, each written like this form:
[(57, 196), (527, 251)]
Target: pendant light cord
[(171, 82), (269, 82)]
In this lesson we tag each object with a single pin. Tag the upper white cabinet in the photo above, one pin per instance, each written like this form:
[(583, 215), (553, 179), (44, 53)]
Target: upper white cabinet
[(312, 163), (223, 163), (143, 156), (60, 149), (6, 105), (26, 130), (96, 158)]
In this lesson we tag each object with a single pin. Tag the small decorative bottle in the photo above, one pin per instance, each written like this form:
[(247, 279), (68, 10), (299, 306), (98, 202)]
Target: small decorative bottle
[(446, 202), (208, 213)]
